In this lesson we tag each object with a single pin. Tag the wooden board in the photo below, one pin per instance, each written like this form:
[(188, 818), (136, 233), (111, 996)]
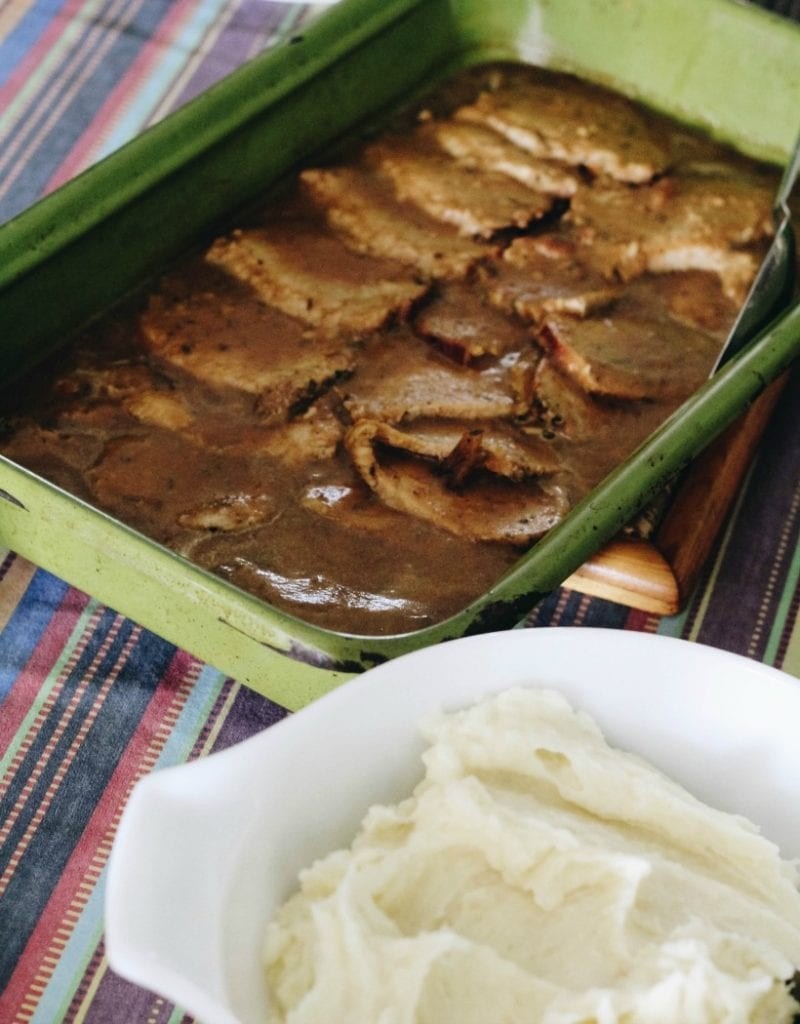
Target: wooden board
[(659, 574)]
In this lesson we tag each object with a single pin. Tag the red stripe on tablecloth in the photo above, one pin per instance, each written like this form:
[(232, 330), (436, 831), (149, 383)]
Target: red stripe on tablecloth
[(48, 752), (57, 921), (37, 52), (643, 622), (117, 99), (40, 665), (34, 727), (788, 628)]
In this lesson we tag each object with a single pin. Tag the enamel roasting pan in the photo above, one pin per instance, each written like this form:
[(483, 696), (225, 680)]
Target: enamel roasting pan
[(722, 65)]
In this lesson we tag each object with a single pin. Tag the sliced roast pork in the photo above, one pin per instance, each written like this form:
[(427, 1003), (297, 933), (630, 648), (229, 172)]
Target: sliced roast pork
[(478, 204), (239, 343), (309, 273), (229, 514), (688, 223), (539, 275), (365, 208), (692, 297), (628, 357), (168, 482), (566, 408), (414, 473), (466, 327), (400, 377), (567, 120), (479, 147)]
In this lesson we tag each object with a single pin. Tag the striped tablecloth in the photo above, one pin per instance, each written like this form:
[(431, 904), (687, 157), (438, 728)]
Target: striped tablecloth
[(89, 701)]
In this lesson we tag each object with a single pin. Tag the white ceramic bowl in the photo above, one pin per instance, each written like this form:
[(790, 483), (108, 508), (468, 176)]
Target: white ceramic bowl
[(207, 851)]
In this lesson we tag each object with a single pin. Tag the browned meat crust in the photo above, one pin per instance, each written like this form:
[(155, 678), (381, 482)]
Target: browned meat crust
[(243, 345), (400, 377), (570, 121), (490, 509), (688, 223), (630, 358), (540, 275), (484, 149), (478, 204), (308, 273), (493, 447), (466, 327), (366, 210)]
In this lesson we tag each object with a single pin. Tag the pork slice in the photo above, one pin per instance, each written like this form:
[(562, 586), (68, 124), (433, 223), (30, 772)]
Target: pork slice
[(309, 273), (489, 509), (229, 514), (571, 121), (162, 482), (594, 434), (400, 377), (692, 297), (566, 408), (94, 401), (466, 327), (629, 357), (234, 341), (311, 437), (366, 210), (166, 409), (477, 203), (539, 275), (494, 447), (482, 148), (687, 223)]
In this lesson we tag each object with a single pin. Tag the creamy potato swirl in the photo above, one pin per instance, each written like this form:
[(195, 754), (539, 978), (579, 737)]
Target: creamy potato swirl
[(538, 874)]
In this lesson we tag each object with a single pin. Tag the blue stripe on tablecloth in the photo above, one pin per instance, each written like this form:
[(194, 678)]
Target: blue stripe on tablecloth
[(142, 102), (57, 835), (570, 608), (25, 34), (27, 623), (132, 33), (251, 28), (85, 937), (54, 719)]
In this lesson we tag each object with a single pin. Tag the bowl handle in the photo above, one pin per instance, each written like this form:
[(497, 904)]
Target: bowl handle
[(163, 926)]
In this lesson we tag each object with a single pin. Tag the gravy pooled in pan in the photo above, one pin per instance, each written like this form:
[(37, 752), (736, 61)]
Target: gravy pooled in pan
[(362, 405)]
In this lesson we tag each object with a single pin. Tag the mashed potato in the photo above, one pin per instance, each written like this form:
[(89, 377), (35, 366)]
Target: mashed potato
[(537, 874)]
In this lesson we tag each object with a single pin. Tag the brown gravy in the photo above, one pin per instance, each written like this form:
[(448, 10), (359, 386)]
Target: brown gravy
[(510, 309)]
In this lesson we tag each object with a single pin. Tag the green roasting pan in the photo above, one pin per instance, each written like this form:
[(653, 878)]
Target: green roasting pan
[(722, 65)]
